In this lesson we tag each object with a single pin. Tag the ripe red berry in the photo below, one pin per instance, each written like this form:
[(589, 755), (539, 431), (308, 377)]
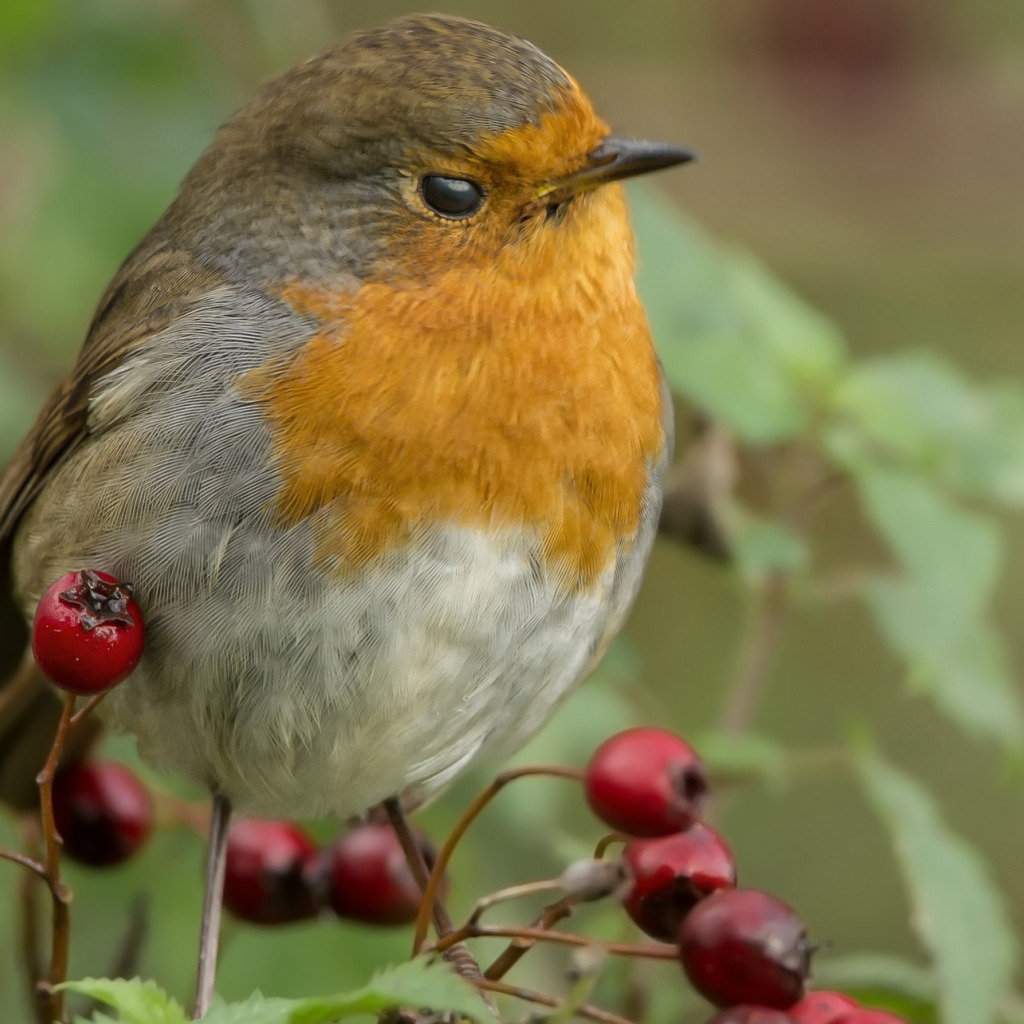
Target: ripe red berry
[(750, 1015), (645, 782), (861, 1016), (270, 872), (88, 632), (102, 812), (821, 1008), (671, 874), (744, 946), (369, 879)]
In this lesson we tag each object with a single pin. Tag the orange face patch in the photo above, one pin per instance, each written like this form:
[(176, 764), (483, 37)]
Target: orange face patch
[(517, 391)]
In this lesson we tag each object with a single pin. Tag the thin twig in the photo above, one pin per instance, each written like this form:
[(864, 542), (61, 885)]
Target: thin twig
[(458, 955), (59, 893), (455, 836), (757, 649), (26, 862), (585, 1010), (86, 709)]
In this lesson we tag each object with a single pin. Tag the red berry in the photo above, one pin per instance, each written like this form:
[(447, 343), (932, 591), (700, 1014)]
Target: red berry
[(861, 1016), (747, 1014), (271, 872), (645, 782), (744, 946), (671, 874), (369, 878), (821, 1008), (102, 812), (88, 632)]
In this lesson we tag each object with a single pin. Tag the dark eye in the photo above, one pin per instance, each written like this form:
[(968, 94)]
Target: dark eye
[(453, 198)]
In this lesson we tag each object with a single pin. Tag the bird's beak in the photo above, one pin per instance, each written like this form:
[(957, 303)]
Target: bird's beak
[(614, 160)]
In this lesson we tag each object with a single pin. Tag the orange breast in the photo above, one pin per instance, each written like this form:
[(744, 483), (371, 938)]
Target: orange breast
[(522, 392)]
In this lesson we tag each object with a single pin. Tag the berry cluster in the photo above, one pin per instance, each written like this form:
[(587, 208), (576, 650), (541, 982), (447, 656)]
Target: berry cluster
[(742, 949), (275, 874)]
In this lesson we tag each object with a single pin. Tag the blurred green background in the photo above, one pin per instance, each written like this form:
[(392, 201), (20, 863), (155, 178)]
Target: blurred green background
[(870, 151)]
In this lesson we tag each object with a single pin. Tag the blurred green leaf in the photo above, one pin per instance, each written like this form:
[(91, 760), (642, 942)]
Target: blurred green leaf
[(936, 613), (733, 339), (958, 912), (883, 982), (744, 757), (136, 1001), (921, 408), (762, 547)]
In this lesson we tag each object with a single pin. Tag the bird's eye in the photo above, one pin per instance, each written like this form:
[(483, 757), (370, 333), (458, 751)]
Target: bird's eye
[(452, 198)]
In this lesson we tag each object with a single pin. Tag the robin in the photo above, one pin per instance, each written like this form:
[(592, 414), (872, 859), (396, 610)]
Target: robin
[(373, 423)]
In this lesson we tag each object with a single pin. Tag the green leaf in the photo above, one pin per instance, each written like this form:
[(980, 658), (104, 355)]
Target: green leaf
[(744, 757), (936, 613), (732, 338), (257, 1009), (762, 547), (136, 1001), (879, 981), (417, 983), (920, 408), (958, 912)]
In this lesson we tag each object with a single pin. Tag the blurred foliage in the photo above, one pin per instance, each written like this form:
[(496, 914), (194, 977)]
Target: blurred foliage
[(104, 105)]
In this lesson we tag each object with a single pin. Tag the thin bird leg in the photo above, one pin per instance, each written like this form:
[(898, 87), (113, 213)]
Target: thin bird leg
[(458, 955), (209, 936)]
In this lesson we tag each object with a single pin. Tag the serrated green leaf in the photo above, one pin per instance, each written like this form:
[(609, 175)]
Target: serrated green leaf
[(958, 912), (936, 613), (417, 983), (257, 1009), (731, 337), (922, 409), (762, 547), (136, 1001)]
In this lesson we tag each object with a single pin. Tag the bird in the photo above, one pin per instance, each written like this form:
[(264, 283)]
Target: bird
[(373, 423)]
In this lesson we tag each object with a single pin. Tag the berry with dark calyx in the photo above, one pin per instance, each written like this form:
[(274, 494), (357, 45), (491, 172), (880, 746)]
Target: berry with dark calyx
[(368, 877), (671, 874), (745, 946), (821, 1007), (645, 782), (102, 811), (750, 1015), (862, 1016), (270, 872), (88, 633)]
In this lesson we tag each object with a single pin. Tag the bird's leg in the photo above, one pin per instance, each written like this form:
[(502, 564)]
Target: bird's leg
[(209, 935), (458, 955)]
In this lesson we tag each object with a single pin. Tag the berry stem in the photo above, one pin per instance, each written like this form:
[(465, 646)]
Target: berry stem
[(607, 841), (60, 895), (462, 825), (479, 931), (517, 949), (513, 892), (584, 1010), (85, 710)]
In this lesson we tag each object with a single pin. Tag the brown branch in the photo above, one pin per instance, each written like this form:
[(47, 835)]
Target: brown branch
[(461, 826)]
